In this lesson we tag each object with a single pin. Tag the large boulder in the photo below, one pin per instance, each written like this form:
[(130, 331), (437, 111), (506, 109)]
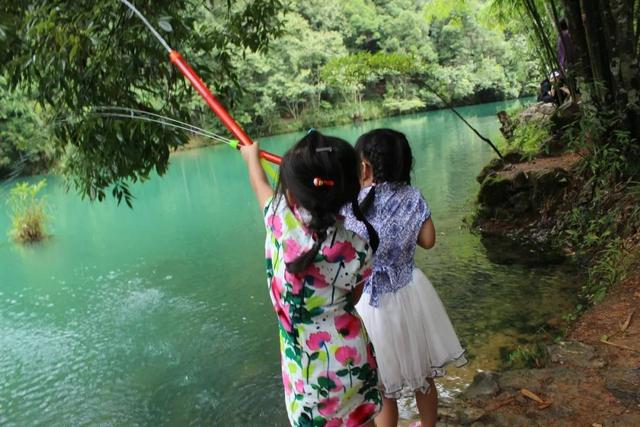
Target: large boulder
[(495, 191), (549, 181)]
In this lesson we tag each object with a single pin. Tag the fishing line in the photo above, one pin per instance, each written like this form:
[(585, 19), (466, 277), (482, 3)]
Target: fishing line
[(193, 130), (134, 111)]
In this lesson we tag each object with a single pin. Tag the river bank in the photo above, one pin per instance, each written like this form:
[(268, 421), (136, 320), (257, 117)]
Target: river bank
[(589, 375)]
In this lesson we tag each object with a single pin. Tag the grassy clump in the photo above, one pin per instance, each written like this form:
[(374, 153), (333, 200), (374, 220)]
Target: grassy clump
[(527, 357), (28, 212)]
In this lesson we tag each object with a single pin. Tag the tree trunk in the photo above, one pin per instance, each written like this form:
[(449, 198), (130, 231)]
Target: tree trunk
[(624, 62), (576, 29), (596, 44)]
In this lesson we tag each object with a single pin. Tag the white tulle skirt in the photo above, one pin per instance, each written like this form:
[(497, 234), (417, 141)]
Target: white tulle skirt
[(412, 336)]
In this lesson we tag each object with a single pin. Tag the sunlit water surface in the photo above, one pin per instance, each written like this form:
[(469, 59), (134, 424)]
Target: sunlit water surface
[(160, 315)]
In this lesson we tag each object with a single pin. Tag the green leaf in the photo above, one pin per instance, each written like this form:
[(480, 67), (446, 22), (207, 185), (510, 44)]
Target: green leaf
[(342, 372), (326, 383)]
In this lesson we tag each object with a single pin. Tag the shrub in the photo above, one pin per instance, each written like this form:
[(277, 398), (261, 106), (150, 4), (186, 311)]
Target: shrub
[(28, 212), (527, 357)]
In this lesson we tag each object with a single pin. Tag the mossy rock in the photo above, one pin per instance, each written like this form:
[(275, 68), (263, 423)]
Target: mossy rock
[(521, 181), (515, 156), (491, 168), (549, 182), (495, 191), (521, 202)]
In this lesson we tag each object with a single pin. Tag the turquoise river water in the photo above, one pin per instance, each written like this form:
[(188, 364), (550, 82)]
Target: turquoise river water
[(160, 315)]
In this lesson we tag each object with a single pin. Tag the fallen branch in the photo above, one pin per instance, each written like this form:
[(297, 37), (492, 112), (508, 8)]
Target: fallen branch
[(622, 346), (627, 322), (542, 404), (545, 405), (531, 395)]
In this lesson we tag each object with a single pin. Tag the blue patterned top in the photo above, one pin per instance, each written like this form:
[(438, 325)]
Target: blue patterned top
[(397, 214)]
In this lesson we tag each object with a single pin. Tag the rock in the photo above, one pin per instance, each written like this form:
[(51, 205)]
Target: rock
[(485, 384), (550, 181), (531, 379), (494, 166), (495, 191), (468, 415), (521, 181), (520, 202), (515, 156), (574, 353), (624, 383), (538, 112)]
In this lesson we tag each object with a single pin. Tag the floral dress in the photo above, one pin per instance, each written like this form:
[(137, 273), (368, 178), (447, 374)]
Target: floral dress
[(328, 368)]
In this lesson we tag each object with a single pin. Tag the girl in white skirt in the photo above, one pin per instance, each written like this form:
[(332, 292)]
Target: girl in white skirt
[(411, 333)]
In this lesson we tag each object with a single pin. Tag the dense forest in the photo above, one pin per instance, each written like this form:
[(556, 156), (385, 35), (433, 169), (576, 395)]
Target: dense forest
[(316, 63)]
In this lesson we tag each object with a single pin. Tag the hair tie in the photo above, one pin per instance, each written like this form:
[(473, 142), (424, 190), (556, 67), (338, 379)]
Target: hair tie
[(319, 182), (322, 149)]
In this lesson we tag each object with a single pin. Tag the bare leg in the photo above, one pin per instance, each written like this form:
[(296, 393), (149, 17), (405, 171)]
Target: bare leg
[(427, 404), (388, 417)]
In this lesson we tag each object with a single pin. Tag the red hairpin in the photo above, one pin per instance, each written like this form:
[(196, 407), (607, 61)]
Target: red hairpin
[(319, 182)]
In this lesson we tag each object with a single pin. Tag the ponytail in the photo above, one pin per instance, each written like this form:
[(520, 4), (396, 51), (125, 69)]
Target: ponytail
[(367, 202), (374, 239)]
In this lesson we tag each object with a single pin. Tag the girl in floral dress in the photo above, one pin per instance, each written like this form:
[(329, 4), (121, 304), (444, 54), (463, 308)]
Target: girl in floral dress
[(315, 273), (404, 317)]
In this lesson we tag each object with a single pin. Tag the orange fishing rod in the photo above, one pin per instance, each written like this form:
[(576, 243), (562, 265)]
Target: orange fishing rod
[(197, 83)]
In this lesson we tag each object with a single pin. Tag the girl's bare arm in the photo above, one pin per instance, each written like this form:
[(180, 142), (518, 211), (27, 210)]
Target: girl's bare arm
[(257, 177), (427, 235)]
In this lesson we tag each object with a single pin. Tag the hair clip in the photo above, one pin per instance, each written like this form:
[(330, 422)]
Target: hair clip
[(322, 149), (319, 182), (311, 130)]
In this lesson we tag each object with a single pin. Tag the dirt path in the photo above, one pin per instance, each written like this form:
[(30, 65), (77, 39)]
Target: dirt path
[(564, 161)]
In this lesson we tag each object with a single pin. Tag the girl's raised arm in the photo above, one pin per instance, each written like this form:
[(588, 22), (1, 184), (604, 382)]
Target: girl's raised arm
[(257, 177)]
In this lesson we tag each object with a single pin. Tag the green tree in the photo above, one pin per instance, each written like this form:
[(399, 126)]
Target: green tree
[(350, 74), (73, 57), (25, 143)]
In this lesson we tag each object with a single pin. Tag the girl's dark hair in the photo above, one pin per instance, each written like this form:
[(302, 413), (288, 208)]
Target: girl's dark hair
[(389, 154), (330, 159)]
